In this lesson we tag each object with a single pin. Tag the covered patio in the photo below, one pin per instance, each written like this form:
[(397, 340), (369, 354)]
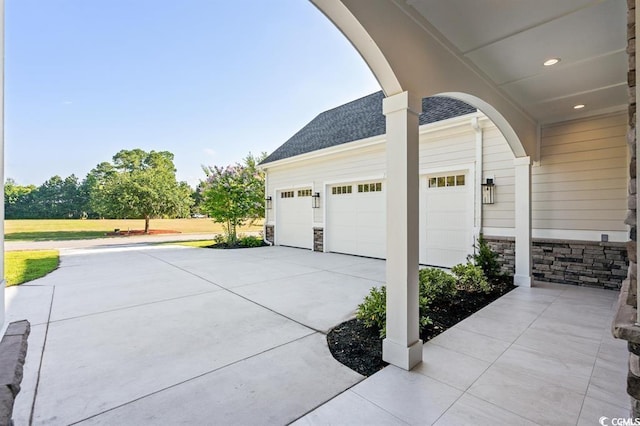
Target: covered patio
[(195, 336)]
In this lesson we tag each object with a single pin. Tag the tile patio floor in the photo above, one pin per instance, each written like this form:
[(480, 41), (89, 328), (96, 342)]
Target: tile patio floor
[(168, 335)]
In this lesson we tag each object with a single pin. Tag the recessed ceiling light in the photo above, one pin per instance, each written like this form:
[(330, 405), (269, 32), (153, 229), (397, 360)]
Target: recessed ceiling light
[(579, 106), (551, 61)]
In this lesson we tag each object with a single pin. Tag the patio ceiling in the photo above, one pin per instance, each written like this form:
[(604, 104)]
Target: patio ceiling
[(509, 41)]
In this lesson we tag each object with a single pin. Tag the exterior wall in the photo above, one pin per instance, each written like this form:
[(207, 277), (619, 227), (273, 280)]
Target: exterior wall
[(497, 160), (582, 162), (367, 162), (585, 263), (439, 150), (581, 182)]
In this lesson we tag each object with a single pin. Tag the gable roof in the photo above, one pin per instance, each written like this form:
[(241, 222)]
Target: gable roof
[(357, 120)]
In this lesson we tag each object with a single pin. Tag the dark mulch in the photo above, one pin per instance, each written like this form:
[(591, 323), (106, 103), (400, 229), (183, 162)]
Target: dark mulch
[(360, 348), (236, 246)]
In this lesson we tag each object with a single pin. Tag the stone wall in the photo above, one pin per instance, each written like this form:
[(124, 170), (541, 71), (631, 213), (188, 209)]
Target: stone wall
[(318, 239), (13, 352), (269, 231), (588, 263)]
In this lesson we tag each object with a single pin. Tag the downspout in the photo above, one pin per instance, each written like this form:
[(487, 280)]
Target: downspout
[(477, 196), (266, 211)]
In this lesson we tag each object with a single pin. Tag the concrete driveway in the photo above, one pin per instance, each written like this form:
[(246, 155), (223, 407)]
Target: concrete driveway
[(166, 335)]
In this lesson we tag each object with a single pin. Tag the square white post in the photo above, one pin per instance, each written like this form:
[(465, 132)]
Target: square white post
[(2, 280), (522, 276), (402, 346)]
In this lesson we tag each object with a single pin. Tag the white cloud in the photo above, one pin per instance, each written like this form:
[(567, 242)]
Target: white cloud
[(210, 152)]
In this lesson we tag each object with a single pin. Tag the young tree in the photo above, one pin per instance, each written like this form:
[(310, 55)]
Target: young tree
[(138, 184), (234, 195)]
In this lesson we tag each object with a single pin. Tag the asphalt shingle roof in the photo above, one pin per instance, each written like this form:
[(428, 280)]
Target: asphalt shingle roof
[(357, 120)]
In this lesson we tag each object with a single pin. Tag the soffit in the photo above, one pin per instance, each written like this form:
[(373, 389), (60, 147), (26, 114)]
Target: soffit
[(508, 41)]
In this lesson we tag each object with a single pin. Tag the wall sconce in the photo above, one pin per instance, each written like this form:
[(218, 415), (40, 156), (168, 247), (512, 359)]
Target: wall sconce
[(315, 200), (268, 201), (488, 192)]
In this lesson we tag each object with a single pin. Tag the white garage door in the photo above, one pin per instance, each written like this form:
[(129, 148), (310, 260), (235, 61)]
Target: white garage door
[(449, 220), (356, 219), (294, 222)]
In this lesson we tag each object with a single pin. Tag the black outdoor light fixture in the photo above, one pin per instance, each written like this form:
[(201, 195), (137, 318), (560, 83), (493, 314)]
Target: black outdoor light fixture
[(315, 199), (488, 191), (268, 202)]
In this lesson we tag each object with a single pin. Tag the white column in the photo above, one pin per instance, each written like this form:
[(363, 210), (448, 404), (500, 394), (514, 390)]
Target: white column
[(522, 276), (402, 346), (2, 280)]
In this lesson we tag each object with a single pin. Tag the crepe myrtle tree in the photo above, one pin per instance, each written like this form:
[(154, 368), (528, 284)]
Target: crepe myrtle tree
[(138, 184), (234, 195)]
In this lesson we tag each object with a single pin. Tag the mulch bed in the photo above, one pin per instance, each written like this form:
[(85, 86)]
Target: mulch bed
[(128, 233), (360, 348), (235, 246)]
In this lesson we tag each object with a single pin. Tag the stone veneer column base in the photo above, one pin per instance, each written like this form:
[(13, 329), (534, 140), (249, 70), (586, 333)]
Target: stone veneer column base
[(318, 239), (269, 232)]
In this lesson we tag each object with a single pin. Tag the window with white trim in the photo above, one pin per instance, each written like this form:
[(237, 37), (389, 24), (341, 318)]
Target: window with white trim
[(286, 194), (304, 193)]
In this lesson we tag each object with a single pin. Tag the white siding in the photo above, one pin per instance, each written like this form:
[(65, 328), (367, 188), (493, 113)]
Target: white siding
[(581, 182), (343, 167), (497, 159)]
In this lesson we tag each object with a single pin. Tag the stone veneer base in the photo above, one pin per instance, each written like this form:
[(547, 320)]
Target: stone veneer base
[(586, 263)]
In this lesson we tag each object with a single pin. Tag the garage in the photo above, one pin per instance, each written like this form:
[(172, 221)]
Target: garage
[(356, 219), (448, 220), (294, 218)]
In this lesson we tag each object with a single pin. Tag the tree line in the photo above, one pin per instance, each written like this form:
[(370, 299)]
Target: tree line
[(136, 184), (142, 185)]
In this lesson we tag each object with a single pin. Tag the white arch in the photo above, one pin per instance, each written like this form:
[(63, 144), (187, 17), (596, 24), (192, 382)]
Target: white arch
[(406, 54)]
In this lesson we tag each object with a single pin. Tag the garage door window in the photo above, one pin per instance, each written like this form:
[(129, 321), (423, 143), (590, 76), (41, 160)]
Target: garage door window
[(304, 193), (338, 190), (370, 187), (286, 194), (444, 181)]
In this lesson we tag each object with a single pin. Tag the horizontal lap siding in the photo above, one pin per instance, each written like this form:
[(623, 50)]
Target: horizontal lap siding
[(346, 167), (497, 159), (580, 183), (447, 148), (438, 149)]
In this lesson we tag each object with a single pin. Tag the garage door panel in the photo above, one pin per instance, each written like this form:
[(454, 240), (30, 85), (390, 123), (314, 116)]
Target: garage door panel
[(294, 221), (356, 223), (448, 237)]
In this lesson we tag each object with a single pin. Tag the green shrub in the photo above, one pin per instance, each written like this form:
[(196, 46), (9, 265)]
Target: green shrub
[(373, 310), (250, 241), (437, 286), (471, 278), (486, 259)]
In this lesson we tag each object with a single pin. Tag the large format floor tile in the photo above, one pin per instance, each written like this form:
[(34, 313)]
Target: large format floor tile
[(410, 396)]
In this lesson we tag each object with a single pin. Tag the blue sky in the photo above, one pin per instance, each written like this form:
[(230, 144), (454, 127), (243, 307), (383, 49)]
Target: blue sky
[(207, 80)]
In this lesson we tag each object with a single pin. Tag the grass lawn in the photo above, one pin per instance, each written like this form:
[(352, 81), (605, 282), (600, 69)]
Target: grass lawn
[(23, 266), (74, 229)]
